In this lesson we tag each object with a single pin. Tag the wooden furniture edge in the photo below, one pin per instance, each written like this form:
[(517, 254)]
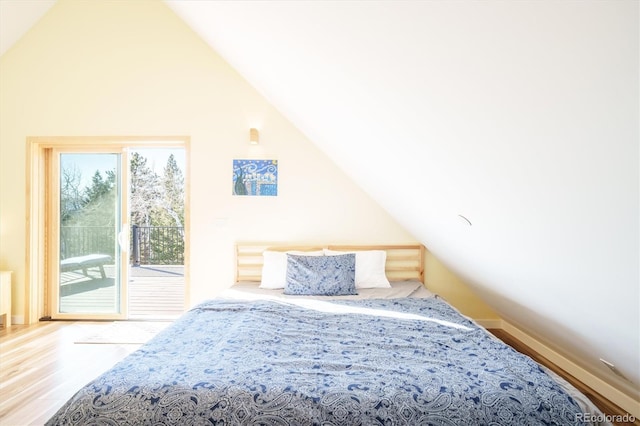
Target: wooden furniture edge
[(5, 298)]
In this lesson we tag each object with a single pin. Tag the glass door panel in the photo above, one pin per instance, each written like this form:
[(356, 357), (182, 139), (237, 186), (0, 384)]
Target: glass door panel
[(90, 225)]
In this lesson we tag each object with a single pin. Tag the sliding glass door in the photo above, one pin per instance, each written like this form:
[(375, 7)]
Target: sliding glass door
[(88, 254)]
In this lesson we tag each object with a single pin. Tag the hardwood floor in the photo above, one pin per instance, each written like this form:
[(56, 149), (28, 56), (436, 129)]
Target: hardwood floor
[(41, 367)]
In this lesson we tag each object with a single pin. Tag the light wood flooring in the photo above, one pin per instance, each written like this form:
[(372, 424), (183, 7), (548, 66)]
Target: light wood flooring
[(41, 367)]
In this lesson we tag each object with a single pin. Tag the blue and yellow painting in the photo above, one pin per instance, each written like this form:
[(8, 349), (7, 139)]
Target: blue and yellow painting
[(255, 177)]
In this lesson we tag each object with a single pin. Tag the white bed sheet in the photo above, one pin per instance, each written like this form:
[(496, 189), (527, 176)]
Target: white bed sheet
[(410, 288)]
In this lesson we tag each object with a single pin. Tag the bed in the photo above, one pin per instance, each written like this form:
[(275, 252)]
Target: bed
[(387, 355)]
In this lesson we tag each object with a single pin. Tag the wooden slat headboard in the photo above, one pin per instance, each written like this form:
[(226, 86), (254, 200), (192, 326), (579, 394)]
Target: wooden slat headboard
[(404, 261)]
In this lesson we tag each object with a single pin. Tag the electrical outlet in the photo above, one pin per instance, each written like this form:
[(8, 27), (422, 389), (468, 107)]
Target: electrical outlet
[(613, 368)]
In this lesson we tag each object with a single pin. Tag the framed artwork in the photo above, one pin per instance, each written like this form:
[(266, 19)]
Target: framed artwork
[(255, 177)]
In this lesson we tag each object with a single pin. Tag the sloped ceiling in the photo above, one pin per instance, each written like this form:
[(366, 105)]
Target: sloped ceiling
[(17, 17), (503, 135)]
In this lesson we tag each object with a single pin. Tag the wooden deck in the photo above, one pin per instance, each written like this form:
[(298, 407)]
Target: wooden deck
[(154, 292)]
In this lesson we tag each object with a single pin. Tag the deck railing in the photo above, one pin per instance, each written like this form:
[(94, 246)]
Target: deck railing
[(157, 245), (149, 245), (82, 240)]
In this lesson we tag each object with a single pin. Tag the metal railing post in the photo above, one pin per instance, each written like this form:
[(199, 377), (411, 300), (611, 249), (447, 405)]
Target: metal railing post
[(136, 245)]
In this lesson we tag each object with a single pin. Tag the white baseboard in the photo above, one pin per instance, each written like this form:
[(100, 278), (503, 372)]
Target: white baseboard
[(17, 319), (619, 398)]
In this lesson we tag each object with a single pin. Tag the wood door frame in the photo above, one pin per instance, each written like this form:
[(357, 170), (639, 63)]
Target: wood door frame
[(39, 150)]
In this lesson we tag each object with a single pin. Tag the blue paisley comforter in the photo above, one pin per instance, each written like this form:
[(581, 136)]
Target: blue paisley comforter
[(373, 362)]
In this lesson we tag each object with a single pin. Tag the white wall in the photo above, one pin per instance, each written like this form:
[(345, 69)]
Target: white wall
[(134, 68)]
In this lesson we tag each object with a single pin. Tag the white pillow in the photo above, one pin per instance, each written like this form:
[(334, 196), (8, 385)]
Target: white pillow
[(274, 267), (369, 267)]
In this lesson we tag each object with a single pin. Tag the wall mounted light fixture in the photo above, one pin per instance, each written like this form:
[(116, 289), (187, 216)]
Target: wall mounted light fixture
[(253, 136)]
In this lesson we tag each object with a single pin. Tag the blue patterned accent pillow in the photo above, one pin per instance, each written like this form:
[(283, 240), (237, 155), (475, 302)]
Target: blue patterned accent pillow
[(321, 275)]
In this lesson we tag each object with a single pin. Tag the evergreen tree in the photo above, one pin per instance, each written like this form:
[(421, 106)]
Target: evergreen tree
[(100, 187), (171, 208), (89, 223), (98, 207), (146, 192)]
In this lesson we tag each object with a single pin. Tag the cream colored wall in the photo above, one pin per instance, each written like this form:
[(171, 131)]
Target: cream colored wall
[(452, 288), (134, 68)]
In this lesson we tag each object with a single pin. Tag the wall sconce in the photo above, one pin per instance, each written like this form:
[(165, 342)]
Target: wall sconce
[(253, 136)]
